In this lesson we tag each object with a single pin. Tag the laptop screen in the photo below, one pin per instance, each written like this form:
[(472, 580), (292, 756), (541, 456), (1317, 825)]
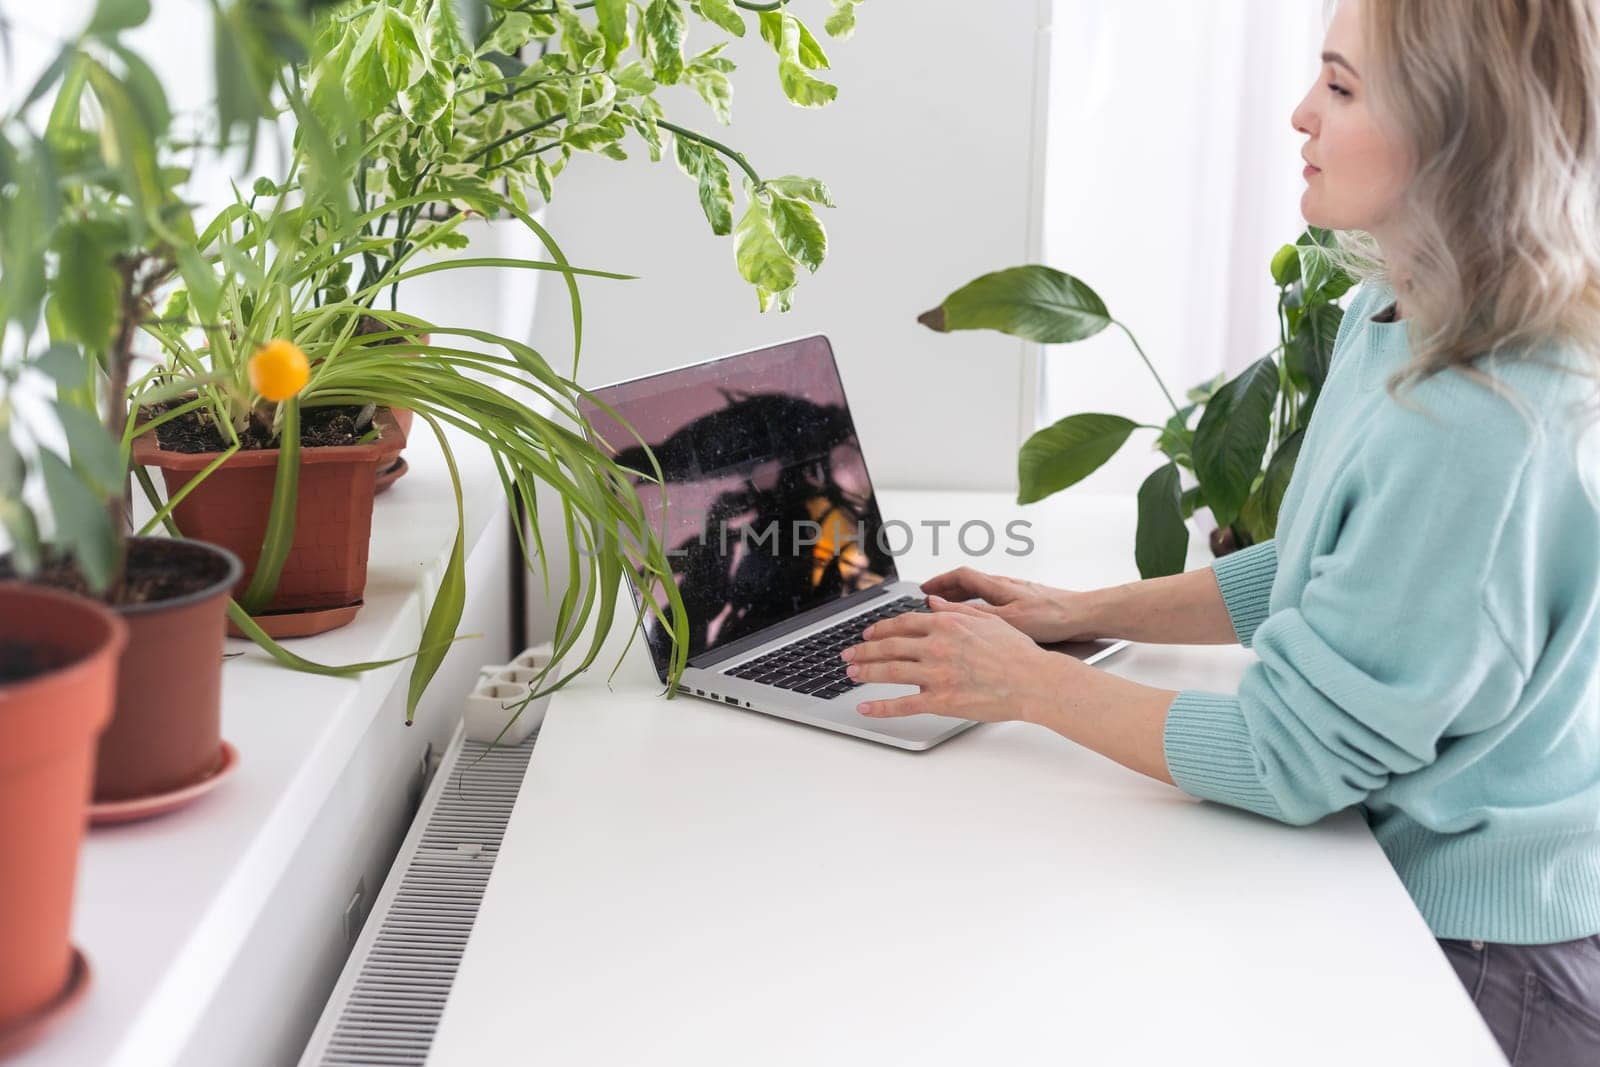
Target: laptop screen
[(769, 510)]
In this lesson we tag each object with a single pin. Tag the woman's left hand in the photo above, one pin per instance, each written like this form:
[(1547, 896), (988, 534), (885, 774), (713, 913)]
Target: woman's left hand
[(969, 665)]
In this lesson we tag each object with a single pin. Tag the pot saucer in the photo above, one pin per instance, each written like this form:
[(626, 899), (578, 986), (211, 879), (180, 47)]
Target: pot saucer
[(281, 624), (28, 1029), (392, 474), (109, 813)]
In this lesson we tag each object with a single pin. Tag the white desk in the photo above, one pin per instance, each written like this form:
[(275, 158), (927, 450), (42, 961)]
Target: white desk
[(684, 883)]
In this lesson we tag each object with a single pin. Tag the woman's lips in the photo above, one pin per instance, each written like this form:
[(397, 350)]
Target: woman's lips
[(1310, 170)]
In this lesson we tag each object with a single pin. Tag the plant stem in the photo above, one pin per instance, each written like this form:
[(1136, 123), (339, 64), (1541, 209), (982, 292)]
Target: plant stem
[(119, 359), (512, 136), (737, 157), (1147, 363)]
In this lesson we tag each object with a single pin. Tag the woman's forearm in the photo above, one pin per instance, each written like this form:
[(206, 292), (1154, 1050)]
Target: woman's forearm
[(1180, 609), (1119, 719)]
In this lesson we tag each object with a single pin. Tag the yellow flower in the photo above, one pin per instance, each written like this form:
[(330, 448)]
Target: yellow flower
[(279, 370)]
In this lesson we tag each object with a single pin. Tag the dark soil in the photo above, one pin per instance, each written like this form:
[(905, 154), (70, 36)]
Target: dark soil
[(21, 660), (158, 569), (319, 428)]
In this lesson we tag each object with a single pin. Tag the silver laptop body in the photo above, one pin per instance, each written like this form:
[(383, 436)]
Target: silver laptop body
[(775, 532)]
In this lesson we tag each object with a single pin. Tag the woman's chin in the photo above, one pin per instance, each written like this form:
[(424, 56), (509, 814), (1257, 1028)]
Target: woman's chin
[(1310, 211)]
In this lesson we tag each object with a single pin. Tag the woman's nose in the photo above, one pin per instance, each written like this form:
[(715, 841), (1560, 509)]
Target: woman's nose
[(1300, 119)]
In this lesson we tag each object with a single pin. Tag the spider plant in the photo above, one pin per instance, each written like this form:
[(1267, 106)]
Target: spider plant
[(279, 285)]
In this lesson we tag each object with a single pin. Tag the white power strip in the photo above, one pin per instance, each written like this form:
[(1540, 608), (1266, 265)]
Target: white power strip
[(387, 1004)]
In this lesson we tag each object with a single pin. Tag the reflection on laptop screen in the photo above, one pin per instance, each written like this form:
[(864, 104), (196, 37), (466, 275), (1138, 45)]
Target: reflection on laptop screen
[(769, 510)]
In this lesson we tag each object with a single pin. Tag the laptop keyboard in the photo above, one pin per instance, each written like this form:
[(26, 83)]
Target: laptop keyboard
[(812, 664)]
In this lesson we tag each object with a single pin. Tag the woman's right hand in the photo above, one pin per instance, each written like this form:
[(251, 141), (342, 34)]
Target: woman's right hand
[(1043, 612)]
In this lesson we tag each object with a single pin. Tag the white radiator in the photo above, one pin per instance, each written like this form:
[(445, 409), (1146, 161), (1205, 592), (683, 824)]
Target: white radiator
[(391, 994)]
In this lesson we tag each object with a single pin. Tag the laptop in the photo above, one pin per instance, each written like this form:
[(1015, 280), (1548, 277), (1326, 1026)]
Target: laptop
[(774, 536)]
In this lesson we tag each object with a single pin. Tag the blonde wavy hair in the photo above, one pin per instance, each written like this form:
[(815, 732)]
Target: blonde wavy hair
[(1498, 104)]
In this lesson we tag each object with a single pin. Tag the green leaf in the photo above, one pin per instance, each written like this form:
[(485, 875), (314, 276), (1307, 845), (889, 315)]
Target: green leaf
[(111, 17), (811, 53), (1161, 544), (724, 14), (133, 143), (1280, 470), (634, 79), (716, 186), (241, 99), (279, 538), (23, 530), (775, 25), (380, 63), (1310, 351), (1033, 302), (664, 28), (715, 89), (13, 471), (445, 33), (797, 188), (47, 79), (87, 284), (842, 23), (541, 175), (94, 453), (799, 230), (1232, 437), (82, 524), (65, 364), (1286, 266), (613, 20), (798, 53), (1204, 391), (450, 600), (1176, 439), (428, 98), (510, 33), (1068, 452), (760, 255), (147, 94)]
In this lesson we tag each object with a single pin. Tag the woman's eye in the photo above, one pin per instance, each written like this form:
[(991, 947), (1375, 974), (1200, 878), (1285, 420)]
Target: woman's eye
[(1337, 89)]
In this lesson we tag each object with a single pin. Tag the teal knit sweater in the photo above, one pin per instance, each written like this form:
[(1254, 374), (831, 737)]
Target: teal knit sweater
[(1427, 627)]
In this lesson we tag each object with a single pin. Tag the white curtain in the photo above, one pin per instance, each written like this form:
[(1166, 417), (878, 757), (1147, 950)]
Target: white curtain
[(1173, 174)]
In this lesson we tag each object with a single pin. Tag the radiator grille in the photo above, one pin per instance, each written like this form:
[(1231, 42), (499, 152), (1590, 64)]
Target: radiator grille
[(393, 1007)]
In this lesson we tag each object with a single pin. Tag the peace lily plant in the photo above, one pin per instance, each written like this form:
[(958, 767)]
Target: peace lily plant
[(1241, 452)]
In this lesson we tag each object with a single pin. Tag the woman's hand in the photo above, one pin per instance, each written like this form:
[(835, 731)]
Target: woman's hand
[(1043, 612), (968, 664)]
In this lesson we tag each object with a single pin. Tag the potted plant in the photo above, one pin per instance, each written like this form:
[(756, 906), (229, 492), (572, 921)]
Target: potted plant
[(221, 375), (58, 661), (80, 210), (1259, 415), (322, 291)]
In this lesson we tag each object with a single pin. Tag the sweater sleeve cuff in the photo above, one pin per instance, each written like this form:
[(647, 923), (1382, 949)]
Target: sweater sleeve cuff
[(1210, 755), (1245, 578)]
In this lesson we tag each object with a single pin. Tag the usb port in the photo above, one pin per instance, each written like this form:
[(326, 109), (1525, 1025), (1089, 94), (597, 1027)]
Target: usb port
[(699, 692), (732, 700)]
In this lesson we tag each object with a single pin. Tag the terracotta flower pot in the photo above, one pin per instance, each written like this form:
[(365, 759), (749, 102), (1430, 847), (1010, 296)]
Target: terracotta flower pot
[(166, 733), (48, 724), (391, 473), (323, 579)]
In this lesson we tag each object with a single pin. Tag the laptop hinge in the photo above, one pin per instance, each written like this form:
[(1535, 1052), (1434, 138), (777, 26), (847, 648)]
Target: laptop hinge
[(722, 653)]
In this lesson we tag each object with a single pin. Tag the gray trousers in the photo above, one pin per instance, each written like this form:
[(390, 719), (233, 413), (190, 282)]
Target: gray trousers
[(1542, 1002)]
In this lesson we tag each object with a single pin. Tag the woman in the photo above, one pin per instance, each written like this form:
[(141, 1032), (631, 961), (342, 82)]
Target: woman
[(1427, 618)]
